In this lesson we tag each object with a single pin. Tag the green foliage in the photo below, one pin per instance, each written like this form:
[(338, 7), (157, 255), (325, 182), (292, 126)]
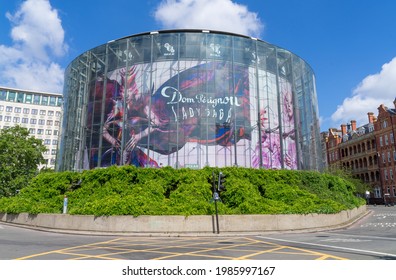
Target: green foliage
[(134, 191), (20, 156)]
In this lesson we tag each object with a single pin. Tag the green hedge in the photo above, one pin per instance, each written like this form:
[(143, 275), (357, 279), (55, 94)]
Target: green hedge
[(135, 191)]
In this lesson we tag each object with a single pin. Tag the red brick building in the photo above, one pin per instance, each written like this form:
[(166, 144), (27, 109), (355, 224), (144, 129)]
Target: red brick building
[(386, 150), (368, 152)]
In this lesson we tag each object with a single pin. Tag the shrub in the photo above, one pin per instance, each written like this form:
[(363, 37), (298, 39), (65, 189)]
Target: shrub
[(129, 190)]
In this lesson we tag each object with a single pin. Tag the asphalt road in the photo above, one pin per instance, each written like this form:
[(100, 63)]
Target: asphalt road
[(371, 238)]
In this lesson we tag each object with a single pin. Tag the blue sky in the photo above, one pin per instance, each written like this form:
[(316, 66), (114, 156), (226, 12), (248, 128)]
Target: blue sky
[(350, 44)]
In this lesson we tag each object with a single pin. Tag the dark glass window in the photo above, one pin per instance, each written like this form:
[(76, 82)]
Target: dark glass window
[(3, 95), (20, 97)]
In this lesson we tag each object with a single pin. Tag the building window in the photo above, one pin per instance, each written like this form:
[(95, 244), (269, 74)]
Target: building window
[(44, 100), (7, 118), (20, 97), (386, 174), (391, 174), (48, 132), (54, 142), (52, 101), (40, 131), (9, 109), (33, 121), (25, 120), (381, 143), (55, 132), (11, 96), (377, 192), (42, 112), (26, 110), (53, 152), (47, 142), (384, 124), (1, 108), (389, 157), (386, 140), (28, 98), (57, 113), (50, 122), (36, 99), (34, 111), (17, 120), (3, 95), (383, 157), (32, 130), (50, 113), (391, 138), (41, 122), (394, 191), (17, 109)]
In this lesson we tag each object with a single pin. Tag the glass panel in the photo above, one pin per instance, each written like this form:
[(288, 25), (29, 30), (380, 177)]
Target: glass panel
[(11, 96), (52, 101), (20, 97), (44, 100), (244, 51), (28, 98), (36, 99), (218, 47), (165, 47), (3, 94)]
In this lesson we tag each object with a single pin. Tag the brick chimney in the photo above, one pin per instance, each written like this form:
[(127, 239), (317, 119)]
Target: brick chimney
[(353, 124), (370, 117), (343, 129)]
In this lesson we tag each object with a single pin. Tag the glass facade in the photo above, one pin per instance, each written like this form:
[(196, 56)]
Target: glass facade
[(189, 98)]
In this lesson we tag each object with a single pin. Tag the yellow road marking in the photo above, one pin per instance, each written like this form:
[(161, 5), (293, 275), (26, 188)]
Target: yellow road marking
[(60, 250), (119, 247)]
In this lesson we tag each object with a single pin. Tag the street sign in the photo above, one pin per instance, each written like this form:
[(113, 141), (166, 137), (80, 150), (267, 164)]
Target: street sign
[(216, 196)]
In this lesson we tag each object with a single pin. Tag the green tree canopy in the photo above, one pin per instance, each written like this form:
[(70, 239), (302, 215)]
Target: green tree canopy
[(20, 156)]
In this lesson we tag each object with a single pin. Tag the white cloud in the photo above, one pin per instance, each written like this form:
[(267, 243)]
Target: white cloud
[(220, 15), (373, 91), (38, 40)]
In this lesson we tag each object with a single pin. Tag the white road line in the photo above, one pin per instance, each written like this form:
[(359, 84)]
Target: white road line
[(346, 240), (363, 236), (328, 246)]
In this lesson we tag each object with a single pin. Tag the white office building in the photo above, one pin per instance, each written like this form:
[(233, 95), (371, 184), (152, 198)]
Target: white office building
[(39, 112)]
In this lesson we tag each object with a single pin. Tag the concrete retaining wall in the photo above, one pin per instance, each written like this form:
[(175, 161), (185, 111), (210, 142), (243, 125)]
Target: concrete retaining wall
[(179, 225)]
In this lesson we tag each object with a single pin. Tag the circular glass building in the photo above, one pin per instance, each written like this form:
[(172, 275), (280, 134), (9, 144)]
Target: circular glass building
[(189, 98)]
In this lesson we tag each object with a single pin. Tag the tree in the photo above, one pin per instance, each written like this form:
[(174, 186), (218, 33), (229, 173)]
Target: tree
[(20, 156)]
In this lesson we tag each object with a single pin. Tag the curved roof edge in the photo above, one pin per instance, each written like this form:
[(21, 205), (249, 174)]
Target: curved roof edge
[(186, 30)]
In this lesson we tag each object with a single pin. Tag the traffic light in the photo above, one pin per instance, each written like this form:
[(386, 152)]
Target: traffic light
[(221, 186)]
